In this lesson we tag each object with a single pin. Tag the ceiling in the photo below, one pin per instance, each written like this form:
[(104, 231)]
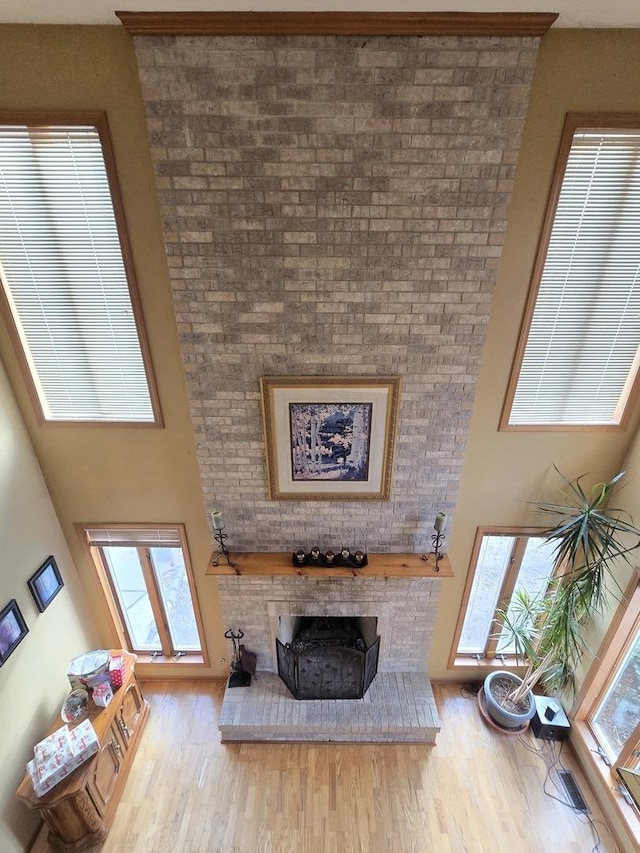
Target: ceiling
[(572, 13)]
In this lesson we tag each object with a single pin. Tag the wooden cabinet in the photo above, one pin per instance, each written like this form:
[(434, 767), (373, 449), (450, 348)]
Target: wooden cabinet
[(80, 810), (130, 713), (106, 771)]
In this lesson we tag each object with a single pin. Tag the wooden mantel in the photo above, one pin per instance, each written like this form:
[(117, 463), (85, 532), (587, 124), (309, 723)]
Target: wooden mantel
[(337, 23), (255, 564)]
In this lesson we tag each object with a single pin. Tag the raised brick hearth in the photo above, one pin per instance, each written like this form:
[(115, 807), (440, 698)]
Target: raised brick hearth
[(398, 708)]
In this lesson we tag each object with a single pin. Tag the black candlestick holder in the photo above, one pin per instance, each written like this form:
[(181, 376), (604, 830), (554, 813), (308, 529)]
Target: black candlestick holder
[(220, 536), (437, 539), (343, 557)]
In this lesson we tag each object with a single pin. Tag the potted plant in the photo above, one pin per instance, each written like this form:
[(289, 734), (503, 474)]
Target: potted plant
[(548, 631), (508, 698)]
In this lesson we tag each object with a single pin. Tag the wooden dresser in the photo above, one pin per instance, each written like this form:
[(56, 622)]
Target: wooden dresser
[(80, 810)]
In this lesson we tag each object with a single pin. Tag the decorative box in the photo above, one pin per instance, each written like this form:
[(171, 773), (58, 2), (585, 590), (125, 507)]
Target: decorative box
[(116, 671), (102, 694), (59, 754)]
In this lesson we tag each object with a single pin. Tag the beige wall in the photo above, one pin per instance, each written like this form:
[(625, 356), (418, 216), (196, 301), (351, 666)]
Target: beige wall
[(628, 499), (151, 475), (576, 72), (33, 683), (114, 474)]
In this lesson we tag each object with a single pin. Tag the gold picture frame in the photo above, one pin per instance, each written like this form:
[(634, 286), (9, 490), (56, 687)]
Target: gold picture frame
[(330, 437)]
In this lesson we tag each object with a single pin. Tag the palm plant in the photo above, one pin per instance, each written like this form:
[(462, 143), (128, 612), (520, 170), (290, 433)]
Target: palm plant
[(548, 631)]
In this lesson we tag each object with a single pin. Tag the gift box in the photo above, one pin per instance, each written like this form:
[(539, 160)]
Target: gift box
[(59, 754), (84, 741), (56, 748), (102, 694), (116, 671)]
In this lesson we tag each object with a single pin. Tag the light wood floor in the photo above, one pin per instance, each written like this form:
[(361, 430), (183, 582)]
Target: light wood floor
[(476, 790)]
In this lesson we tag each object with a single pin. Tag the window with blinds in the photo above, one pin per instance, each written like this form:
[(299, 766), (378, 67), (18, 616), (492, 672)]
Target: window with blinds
[(146, 575), (68, 286), (578, 356), (168, 537)]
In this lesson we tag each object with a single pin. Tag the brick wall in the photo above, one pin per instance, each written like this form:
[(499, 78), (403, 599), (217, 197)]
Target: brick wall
[(333, 205), (405, 610)]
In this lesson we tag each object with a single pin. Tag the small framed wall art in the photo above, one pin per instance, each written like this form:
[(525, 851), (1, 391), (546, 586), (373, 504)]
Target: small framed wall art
[(45, 584), (330, 437), (13, 629)]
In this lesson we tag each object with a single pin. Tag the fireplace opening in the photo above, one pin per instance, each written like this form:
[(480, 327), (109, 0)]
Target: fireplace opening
[(328, 657)]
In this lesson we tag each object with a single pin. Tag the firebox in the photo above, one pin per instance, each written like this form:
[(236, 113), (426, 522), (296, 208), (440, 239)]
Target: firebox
[(328, 657)]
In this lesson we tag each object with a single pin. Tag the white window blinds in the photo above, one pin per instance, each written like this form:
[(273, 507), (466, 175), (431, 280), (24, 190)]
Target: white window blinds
[(581, 354), (64, 278), (166, 537)]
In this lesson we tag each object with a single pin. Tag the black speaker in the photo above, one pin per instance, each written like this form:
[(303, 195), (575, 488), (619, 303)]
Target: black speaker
[(549, 721)]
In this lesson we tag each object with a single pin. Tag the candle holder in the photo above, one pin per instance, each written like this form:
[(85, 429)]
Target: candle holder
[(220, 536), (437, 539), (344, 558)]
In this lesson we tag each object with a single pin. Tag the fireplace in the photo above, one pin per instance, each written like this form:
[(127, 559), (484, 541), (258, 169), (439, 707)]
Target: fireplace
[(328, 657), (394, 619)]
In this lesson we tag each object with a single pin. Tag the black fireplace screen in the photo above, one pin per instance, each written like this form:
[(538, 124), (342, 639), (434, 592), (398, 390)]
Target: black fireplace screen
[(328, 658)]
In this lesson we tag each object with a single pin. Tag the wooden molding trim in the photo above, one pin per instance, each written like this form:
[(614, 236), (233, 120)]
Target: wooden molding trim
[(608, 650), (337, 23), (97, 119), (456, 660), (573, 121), (600, 778), (108, 599)]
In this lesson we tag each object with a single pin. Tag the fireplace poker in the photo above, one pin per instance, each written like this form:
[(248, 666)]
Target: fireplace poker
[(236, 648), (240, 673)]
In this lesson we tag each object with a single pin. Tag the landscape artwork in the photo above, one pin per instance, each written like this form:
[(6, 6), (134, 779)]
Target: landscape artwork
[(330, 441), (329, 437)]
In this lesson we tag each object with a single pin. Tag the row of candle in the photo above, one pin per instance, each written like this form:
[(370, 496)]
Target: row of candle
[(330, 557)]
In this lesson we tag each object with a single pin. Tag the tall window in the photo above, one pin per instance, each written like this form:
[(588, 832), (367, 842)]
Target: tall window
[(503, 563), (146, 575), (578, 355), (68, 291), (613, 709)]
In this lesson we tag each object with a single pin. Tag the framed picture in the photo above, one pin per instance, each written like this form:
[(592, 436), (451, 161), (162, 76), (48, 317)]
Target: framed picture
[(13, 629), (330, 437), (45, 584)]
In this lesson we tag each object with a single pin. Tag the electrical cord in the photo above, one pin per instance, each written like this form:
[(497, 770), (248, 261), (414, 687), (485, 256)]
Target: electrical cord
[(550, 753), (470, 689), (592, 821)]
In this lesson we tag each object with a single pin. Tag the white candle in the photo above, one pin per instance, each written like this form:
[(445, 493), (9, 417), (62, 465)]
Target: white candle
[(216, 518), (440, 522)]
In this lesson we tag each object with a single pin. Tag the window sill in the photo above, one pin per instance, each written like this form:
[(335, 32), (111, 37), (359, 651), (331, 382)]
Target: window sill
[(164, 660), (166, 667), (490, 664), (584, 745)]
